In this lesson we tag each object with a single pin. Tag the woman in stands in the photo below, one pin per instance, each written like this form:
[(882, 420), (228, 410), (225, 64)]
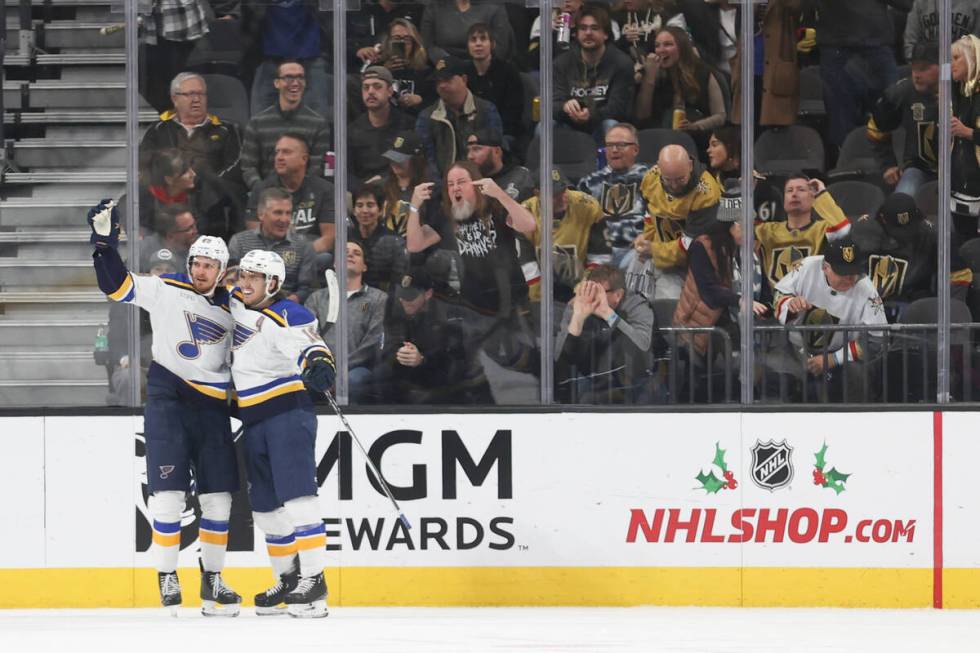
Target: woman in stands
[(965, 181), (445, 23), (407, 169), (404, 55), (171, 180), (640, 20), (678, 91), (724, 160)]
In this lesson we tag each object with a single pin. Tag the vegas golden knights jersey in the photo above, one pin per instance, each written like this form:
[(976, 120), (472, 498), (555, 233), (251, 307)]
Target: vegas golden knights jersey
[(666, 213), (782, 247)]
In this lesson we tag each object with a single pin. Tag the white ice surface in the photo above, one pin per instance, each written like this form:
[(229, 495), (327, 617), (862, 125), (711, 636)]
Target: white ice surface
[(418, 630)]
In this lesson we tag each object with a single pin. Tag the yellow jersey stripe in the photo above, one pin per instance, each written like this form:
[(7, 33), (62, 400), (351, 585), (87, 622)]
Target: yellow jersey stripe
[(178, 284), (216, 393), (277, 550), (207, 537), (310, 543), (275, 316), (163, 539), (292, 386), (123, 290)]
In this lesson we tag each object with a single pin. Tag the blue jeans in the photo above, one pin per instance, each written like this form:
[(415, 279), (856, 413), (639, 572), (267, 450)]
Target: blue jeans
[(319, 86), (847, 92), (911, 179)]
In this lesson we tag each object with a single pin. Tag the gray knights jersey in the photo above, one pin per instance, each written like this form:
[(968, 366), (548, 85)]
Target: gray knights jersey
[(621, 201)]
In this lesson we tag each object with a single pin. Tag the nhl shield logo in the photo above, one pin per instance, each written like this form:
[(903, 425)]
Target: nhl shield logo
[(772, 464)]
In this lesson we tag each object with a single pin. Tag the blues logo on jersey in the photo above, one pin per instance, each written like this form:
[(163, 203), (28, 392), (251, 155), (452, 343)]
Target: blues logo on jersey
[(203, 332), (242, 335)]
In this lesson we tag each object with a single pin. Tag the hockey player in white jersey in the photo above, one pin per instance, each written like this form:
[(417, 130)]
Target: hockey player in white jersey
[(186, 419), (278, 354)]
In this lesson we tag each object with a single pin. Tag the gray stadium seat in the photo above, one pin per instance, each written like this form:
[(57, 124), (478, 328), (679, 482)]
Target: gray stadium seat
[(811, 94), (653, 140), (786, 150), (227, 99), (857, 160), (857, 198), (927, 199), (574, 153)]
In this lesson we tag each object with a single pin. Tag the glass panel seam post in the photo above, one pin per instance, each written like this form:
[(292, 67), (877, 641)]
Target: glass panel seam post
[(132, 190), (546, 203), (945, 240), (746, 69), (340, 193)]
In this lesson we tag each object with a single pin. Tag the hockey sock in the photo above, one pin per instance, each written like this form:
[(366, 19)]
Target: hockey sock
[(311, 543), (165, 509), (213, 533), (282, 553)]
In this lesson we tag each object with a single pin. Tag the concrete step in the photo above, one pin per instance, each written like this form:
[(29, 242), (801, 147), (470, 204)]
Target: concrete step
[(53, 393), (47, 212), (93, 177), (79, 304), (48, 153), (86, 132), (69, 59), (75, 333), (60, 245), (74, 117), (71, 34), (40, 365), (21, 273), (59, 94)]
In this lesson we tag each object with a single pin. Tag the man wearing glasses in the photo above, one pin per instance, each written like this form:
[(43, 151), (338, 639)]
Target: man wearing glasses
[(288, 114), (617, 189)]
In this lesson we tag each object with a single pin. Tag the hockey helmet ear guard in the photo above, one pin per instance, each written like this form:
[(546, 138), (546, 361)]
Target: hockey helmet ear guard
[(268, 263), (209, 247)]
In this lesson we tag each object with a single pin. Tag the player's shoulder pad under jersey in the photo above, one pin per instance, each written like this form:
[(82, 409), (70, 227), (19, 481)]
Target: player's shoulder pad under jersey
[(178, 280), (287, 313)]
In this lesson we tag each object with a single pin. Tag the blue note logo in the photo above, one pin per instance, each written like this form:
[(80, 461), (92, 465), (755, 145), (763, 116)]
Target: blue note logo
[(242, 335), (203, 332)]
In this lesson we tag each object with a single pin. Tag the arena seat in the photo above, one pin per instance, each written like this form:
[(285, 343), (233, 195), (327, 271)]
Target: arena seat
[(785, 150), (653, 140)]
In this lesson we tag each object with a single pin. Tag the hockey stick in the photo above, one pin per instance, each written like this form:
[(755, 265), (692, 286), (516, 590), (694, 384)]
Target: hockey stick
[(374, 470)]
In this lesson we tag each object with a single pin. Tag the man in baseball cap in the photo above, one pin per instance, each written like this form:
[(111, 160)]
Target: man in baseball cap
[(378, 126)]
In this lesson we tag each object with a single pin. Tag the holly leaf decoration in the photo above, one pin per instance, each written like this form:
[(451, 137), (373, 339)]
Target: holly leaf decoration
[(836, 480), (821, 460), (720, 458), (710, 483)]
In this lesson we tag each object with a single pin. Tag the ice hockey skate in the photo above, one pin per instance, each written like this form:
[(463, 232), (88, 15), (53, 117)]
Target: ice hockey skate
[(217, 599), (309, 599), (169, 591), (270, 602)]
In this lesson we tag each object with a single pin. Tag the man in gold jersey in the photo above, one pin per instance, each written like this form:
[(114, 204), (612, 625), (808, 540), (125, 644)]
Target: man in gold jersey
[(573, 215), (811, 215), (677, 188)]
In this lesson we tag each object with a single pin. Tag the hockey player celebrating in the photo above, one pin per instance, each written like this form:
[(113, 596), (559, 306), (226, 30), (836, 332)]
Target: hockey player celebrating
[(186, 420), (278, 354)]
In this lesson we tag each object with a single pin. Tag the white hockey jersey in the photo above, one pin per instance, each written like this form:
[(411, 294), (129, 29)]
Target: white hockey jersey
[(271, 348), (192, 334), (859, 305)]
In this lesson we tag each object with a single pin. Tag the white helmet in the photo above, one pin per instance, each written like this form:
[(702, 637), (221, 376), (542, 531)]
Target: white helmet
[(209, 247), (261, 261)]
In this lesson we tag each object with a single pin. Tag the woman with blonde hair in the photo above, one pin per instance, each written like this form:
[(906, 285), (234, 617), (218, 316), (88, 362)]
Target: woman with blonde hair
[(676, 81), (965, 168)]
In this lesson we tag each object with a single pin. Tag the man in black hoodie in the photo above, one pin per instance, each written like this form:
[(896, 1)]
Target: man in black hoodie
[(593, 83)]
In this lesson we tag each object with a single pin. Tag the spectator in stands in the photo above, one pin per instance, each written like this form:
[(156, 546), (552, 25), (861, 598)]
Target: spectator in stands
[(485, 148), (678, 91), (312, 197), (910, 103), (365, 323), (212, 146), (777, 72), (406, 169), (289, 114), (171, 180), (384, 250), (403, 54), (275, 208), (369, 26), (168, 34), (640, 20), (291, 30), (497, 81), (176, 232), (371, 132), (922, 22), (476, 220), (903, 255), (594, 82), (676, 189), (811, 215), (857, 60), (725, 162), (445, 125), (426, 358), (603, 346), (575, 216), (830, 289), (965, 166), (616, 186), (445, 24), (573, 8)]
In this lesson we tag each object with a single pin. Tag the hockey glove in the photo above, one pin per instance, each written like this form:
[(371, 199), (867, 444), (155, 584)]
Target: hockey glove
[(319, 375), (104, 221)]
